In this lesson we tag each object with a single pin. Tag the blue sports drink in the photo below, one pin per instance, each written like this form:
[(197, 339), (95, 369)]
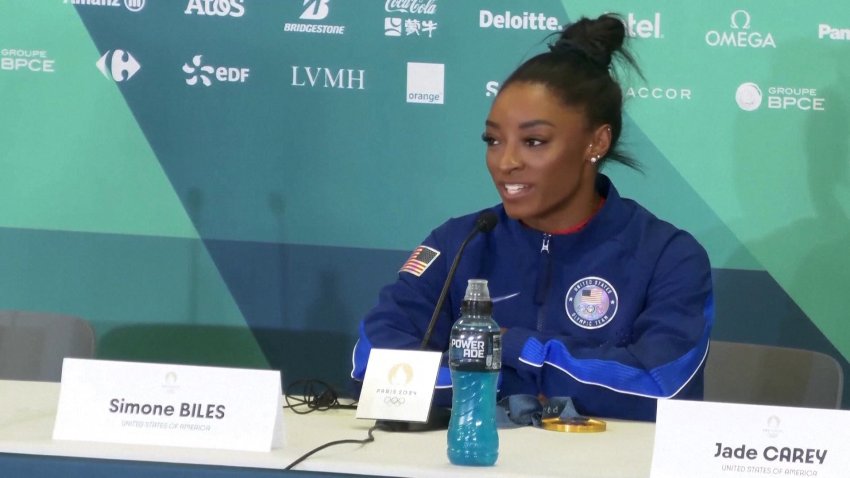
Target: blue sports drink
[(475, 358)]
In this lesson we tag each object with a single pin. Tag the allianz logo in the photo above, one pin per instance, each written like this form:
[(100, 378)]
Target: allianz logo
[(826, 31), (740, 34), (131, 5), (218, 8)]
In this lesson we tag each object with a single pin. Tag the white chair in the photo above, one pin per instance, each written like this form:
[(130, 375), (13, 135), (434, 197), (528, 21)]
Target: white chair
[(770, 375), (33, 344)]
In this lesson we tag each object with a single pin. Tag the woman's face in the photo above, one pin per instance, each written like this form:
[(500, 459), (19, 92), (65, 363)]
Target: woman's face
[(538, 153)]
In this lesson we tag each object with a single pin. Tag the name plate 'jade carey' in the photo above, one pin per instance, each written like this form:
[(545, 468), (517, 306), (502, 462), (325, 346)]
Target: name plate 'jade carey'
[(706, 439)]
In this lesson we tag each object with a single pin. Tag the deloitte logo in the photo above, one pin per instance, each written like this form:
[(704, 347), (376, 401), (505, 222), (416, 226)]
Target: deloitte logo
[(749, 97), (131, 5), (119, 66), (206, 74), (740, 36), (216, 8), (426, 83), (524, 21), (315, 10)]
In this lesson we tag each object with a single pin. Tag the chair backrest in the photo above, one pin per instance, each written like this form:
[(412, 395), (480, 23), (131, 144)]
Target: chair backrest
[(770, 375), (33, 344)]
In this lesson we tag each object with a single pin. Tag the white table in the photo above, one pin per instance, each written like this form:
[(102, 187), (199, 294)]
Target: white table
[(28, 409)]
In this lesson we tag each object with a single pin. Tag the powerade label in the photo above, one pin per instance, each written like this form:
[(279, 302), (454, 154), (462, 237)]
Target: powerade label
[(475, 350)]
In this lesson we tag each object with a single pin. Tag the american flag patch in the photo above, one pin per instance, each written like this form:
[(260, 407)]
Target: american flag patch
[(422, 257), (591, 296)]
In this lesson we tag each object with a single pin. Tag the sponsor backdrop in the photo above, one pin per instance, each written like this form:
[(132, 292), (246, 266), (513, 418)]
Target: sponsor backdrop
[(231, 181)]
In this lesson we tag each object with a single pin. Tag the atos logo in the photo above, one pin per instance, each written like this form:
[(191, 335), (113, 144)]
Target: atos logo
[(206, 74), (219, 8), (119, 65)]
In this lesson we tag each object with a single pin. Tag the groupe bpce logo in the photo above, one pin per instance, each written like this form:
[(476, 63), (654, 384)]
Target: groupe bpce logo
[(748, 96), (751, 97)]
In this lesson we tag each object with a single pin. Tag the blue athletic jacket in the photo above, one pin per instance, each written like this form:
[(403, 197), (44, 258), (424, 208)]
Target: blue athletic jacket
[(615, 315)]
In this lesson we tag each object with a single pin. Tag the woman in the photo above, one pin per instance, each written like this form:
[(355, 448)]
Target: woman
[(598, 300)]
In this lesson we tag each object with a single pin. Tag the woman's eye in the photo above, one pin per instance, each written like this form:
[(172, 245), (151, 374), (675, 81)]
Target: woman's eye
[(488, 139), (533, 142)]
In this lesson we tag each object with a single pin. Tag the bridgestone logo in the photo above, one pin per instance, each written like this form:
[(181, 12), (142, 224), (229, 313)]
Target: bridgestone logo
[(305, 28)]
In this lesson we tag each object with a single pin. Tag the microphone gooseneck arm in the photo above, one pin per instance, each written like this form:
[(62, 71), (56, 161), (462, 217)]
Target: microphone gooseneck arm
[(485, 222)]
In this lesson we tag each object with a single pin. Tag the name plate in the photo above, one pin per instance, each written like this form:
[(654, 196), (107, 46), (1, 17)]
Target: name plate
[(398, 385), (170, 405), (725, 440)]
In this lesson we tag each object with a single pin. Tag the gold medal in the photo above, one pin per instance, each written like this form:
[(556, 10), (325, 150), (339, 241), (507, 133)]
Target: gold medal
[(574, 425)]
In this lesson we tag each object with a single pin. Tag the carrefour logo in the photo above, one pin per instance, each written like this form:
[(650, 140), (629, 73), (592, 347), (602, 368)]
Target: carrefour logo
[(740, 35), (750, 97), (118, 65)]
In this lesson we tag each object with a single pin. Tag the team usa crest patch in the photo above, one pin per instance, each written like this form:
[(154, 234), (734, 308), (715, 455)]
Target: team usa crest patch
[(591, 303), (420, 260)]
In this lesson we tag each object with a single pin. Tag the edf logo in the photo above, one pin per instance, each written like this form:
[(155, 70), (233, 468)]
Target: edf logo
[(198, 71)]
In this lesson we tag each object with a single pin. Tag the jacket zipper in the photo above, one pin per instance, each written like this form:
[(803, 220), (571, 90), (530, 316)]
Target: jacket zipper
[(543, 278)]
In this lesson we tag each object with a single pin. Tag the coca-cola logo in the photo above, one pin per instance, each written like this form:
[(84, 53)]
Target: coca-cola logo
[(421, 7)]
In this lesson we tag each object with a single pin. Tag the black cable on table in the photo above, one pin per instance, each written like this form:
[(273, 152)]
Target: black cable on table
[(308, 396), (303, 457)]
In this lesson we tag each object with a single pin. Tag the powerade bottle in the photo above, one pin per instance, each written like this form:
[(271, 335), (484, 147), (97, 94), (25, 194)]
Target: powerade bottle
[(475, 358)]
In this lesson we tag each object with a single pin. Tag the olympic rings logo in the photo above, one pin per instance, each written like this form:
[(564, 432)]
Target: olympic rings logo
[(396, 401), (589, 309)]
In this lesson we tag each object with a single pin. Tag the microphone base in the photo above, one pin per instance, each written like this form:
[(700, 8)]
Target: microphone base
[(438, 419)]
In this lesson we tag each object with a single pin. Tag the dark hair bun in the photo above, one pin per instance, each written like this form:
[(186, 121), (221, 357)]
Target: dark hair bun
[(599, 39)]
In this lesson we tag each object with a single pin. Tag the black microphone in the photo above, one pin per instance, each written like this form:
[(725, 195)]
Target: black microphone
[(438, 417), (485, 222)]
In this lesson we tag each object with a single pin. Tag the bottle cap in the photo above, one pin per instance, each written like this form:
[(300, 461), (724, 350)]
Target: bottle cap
[(476, 290)]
